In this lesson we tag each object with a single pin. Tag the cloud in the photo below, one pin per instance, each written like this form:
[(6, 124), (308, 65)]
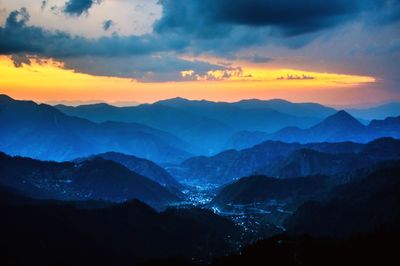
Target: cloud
[(19, 59), (107, 24), (144, 68), (43, 5), (78, 7), (295, 77), (198, 27), (206, 18), (15, 33)]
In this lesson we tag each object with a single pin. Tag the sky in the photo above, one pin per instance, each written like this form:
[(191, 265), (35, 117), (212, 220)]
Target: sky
[(342, 53)]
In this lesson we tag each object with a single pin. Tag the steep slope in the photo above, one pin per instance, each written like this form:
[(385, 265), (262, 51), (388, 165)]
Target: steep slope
[(357, 207), (141, 166), (43, 132), (339, 127), (96, 179), (256, 189)]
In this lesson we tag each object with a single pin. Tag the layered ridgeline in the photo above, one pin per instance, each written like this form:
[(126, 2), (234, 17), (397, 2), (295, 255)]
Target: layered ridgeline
[(43, 132), (93, 179), (59, 233), (287, 160), (207, 125), (338, 127)]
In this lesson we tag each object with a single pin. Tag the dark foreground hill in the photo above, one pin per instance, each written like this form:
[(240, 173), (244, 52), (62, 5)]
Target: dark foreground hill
[(141, 166), (94, 179), (360, 206), (126, 234), (41, 131)]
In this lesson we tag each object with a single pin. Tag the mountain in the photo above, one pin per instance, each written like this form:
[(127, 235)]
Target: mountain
[(251, 115), (205, 124), (283, 106), (360, 206), (280, 159), (125, 234), (389, 126), (141, 166), (340, 126), (377, 112), (190, 127), (256, 189), (94, 179), (336, 128), (43, 132)]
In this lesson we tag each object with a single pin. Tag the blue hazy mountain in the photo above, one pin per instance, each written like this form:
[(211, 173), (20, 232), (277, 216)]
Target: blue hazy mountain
[(338, 127), (43, 132), (286, 160), (141, 166), (378, 112), (205, 124), (93, 179), (247, 114), (283, 106)]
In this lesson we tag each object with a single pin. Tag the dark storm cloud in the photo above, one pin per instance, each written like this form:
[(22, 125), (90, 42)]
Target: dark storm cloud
[(209, 17), (78, 7), (107, 24)]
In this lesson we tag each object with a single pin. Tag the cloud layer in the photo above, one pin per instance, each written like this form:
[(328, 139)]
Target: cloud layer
[(222, 28)]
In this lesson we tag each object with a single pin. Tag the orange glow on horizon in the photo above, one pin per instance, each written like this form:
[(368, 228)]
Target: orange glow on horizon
[(49, 81)]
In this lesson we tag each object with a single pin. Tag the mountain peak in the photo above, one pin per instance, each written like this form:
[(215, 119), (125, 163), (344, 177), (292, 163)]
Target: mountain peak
[(5, 98), (342, 117)]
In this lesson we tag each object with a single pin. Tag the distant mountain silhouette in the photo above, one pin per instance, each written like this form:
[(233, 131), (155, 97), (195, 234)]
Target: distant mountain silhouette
[(285, 160), (95, 179), (378, 112), (141, 166), (43, 132), (204, 124), (389, 126), (336, 128)]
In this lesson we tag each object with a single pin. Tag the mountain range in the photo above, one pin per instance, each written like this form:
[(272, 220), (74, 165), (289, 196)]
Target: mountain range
[(41, 131), (338, 127), (205, 124), (287, 160)]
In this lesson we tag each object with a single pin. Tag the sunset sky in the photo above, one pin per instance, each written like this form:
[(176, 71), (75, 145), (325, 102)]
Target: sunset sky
[(344, 52)]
